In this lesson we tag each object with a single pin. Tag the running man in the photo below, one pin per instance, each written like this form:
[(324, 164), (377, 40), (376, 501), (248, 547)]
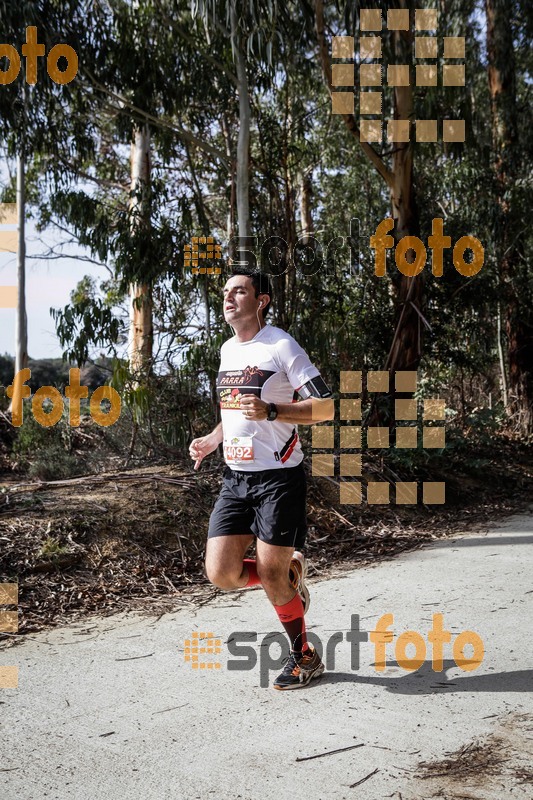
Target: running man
[(262, 370)]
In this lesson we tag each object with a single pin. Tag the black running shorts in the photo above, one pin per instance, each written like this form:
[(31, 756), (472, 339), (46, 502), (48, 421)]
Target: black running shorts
[(270, 504)]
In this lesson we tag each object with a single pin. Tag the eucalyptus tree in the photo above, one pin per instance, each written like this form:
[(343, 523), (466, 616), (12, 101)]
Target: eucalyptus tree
[(395, 163), (251, 29), (507, 29), (33, 119), (150, 94)]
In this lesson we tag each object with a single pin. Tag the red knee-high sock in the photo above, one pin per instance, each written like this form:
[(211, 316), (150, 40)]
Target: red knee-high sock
[(291, 616), (253, 577)]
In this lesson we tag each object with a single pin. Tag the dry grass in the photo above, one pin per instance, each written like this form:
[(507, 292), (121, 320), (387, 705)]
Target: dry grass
[(129, 539)]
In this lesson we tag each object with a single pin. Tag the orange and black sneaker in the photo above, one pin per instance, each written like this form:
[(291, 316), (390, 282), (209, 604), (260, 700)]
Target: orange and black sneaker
[(300, 669), (297, 577)]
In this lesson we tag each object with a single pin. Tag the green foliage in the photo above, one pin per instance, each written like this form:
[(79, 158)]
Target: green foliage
[(7, 369), (46, 452), (50, 549), (477, 431), (86, 320), (135, 397), (185, 92)]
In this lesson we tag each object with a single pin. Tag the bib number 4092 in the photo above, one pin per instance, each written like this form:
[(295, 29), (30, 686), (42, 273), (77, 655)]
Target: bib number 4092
[(239, 453)]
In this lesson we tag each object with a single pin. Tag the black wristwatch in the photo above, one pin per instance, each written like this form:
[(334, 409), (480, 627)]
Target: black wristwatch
[(272, 412)]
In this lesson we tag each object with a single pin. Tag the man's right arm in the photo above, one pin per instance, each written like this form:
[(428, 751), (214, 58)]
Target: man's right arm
[(202, 447)]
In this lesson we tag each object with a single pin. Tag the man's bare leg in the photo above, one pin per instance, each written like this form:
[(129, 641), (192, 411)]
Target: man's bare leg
[(273, 563), (304, 664), (224, 560)]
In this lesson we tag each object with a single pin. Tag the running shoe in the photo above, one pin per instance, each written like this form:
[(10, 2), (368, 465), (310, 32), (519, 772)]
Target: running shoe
[(297, 576), (299, 670)]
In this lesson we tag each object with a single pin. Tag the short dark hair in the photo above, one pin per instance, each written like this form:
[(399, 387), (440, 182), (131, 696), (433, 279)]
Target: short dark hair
[(260, 281)]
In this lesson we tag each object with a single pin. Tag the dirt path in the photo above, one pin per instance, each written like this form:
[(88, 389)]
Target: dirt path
[(110, 707)]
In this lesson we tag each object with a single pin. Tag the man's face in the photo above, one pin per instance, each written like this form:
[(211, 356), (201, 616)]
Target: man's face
[(240, 302)]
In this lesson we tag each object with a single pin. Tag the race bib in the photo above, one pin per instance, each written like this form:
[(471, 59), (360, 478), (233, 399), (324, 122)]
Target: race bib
[(239, 450)]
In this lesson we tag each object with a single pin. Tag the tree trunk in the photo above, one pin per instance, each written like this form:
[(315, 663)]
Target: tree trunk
[(230, 225), (406, 347), (306, 193), (21, 352), (287, 305), (501, 359), (243, 142), (141, 326), (405, 351), (204, 279), (21, 345), (518, 328)]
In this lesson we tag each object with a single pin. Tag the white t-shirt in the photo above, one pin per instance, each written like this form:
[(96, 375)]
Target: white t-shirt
[(273, 367)]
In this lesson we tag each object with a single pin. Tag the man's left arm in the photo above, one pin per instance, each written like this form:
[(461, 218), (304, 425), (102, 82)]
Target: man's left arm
[(316, 404), (307, 412), (304, 412)]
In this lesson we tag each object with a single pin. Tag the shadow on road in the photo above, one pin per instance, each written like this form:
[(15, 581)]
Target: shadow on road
[(493, 541), (426, 681)]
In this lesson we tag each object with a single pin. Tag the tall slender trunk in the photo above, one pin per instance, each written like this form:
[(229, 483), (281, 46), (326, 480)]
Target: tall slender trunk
[(406, 347), (230, 225), (306, 193), (501, 358), (21, 353), (21, 344), (405, 351), (243, 142), (141, 336), (204, 280), (287, 303), (517, 315)]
